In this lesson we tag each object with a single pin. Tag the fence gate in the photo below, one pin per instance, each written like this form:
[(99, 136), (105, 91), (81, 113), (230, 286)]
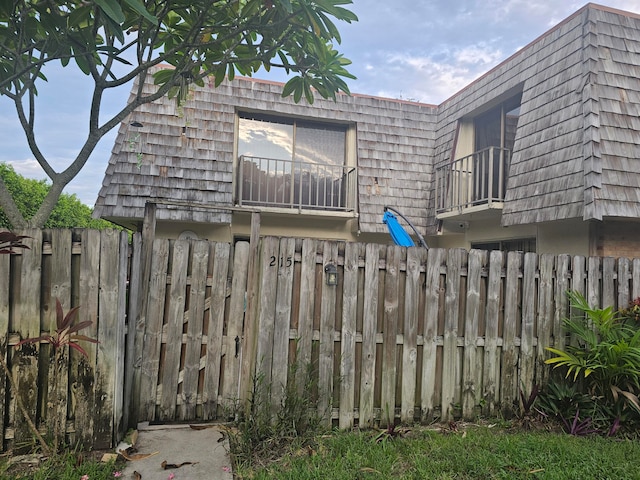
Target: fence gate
[(190, 362)]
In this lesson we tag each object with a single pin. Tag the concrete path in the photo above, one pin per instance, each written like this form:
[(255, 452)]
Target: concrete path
[(206, 448)]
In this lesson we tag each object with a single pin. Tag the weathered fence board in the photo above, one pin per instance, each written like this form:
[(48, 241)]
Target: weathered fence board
[(491, 370), (282, 320), (215, 325), (369, 323), (348, 335), (155, 312), (175, 304), (390, 329), (5, 288), (435, 260), (195, 321), (327, 337), (28, 323), (84, 368), (471, 380), (415, 257)]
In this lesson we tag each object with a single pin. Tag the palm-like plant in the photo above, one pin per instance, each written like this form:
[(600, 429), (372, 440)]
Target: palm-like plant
[(65, 335), (606, 356)]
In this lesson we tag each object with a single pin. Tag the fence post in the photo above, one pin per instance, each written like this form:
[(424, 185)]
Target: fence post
[(148, 235), (250, 339)]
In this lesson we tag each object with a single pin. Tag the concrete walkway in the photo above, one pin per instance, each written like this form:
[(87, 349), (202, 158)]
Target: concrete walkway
[(207, 450)]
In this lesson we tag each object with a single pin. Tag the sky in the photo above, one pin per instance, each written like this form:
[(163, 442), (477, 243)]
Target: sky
[(419, 50)]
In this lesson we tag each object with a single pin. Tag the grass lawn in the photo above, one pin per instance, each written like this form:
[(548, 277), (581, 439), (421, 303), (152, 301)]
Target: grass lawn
[(478, 452)]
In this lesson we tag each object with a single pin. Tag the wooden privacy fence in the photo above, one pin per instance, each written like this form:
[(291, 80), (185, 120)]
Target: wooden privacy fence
[(405, 333), (86, 268)]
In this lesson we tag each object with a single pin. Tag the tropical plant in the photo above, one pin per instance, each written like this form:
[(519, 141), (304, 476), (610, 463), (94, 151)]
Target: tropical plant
[(65, 335), (603, 356), (115, 41)]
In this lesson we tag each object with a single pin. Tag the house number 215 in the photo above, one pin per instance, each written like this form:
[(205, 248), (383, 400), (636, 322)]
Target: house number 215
[(281, 262)]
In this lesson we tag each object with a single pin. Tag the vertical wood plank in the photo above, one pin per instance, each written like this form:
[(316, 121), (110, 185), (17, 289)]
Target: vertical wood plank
[(415, 257), (146, 245), (472, 374), (212, 372), (107, 363), (579, 275), (435, 258), (561, 301), (450, 341), (491, 368), (508, 378), (635, 279), (60, 288), (529, 295), (150, 366), (120, 345), (327, 329), (282, 321), (133, 355), (624, 277), (369, 325), (390, 332), (175, 320), (348, 335), (545, 318), (85, 368), (306, 308), (251, 331), (193, 347), (594, 277), (233, 339), (5, 288), (609, 282), (267, 310), (27, 321)]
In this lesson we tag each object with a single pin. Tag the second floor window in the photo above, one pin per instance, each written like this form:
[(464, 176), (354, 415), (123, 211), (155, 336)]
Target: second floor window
[(291, 163)]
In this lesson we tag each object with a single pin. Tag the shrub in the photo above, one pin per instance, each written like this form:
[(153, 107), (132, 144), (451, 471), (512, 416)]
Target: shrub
[(602, 361)]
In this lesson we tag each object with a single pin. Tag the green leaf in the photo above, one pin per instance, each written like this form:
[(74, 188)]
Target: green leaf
[(83, 64), (163, 76), (139, 7), (112, 9)]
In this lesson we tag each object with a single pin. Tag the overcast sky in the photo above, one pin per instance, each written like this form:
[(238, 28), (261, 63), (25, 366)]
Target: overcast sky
[(411, 49)]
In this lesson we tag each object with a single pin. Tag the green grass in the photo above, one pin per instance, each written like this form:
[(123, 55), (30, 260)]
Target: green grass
[(477, 453), (67, 466)]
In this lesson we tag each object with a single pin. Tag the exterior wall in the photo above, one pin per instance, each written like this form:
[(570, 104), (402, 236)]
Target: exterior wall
[(545, 178), (614, 238), (615, 116), (393, 141), (573, 161)]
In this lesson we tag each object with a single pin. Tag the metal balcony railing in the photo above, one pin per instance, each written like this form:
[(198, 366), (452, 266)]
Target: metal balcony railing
[(294, 184), (475, 180)]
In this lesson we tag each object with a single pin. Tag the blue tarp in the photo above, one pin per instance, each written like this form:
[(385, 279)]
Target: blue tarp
[(398, 233)]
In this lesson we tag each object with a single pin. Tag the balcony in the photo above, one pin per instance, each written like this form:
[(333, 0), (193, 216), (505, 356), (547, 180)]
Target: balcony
[(473, 183), (296, 185)]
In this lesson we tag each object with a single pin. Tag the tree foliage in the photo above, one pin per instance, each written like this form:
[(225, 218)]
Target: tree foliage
[(28, 194), (115, 41)]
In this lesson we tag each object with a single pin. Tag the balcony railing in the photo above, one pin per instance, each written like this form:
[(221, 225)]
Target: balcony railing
[(476, 180), (294, 184)]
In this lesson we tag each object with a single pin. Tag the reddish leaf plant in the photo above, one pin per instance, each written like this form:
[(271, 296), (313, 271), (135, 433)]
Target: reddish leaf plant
[(65, 334)]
